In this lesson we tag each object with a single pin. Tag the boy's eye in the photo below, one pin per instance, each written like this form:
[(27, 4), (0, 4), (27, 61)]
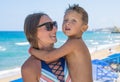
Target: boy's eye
[(65, 21), (73, 21), (69, 21)]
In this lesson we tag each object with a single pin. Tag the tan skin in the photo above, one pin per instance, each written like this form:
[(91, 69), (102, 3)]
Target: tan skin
[(31, 69), (74, 49)]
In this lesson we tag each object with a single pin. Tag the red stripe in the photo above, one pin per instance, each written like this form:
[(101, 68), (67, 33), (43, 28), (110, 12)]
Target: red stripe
[(46, 78), (68, 79)]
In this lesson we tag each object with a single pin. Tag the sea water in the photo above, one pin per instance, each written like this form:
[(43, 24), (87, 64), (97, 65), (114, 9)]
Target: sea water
[(14, 45)]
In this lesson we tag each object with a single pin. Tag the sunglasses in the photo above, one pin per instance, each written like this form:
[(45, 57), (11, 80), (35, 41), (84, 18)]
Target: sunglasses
[(49, 25)]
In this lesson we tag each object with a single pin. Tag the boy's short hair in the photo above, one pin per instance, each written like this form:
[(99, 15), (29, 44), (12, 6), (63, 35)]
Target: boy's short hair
[(79, 10)]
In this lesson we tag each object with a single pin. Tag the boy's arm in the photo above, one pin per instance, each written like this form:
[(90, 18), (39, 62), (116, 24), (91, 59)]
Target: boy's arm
[(54, 54)]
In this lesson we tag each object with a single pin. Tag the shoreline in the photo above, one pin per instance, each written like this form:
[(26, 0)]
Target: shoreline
[(10, 78), (97, 54), (9, 75)]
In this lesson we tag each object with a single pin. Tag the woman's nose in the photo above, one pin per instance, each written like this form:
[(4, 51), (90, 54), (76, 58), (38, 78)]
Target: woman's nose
[(54, 29)]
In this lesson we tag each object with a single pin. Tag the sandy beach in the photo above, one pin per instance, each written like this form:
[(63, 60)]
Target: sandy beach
[(103, 53), (10, 78), (98, 54)]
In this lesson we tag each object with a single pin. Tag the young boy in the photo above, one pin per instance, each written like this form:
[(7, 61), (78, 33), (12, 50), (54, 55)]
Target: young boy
[(74, 49)]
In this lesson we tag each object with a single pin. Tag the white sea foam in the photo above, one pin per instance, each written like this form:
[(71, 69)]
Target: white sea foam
[(106, 41), (91, 40), (2, 48), (9, 72), (95, 43), (117, 37), (22, 43), (117, 41), (110, 42)]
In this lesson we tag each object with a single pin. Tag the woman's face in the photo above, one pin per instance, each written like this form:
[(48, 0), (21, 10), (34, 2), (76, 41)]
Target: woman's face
[(44, 36)]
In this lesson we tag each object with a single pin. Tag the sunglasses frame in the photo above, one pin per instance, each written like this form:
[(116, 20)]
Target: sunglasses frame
[(49, 25)]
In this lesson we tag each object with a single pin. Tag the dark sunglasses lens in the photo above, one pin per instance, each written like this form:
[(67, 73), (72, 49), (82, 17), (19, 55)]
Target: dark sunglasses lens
[(55, 24), (49, 26)]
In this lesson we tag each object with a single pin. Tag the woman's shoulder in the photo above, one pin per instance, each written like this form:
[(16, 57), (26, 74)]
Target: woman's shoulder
[(31, 65)]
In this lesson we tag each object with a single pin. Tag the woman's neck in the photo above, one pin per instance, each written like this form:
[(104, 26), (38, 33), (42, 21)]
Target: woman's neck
[(45, 46)]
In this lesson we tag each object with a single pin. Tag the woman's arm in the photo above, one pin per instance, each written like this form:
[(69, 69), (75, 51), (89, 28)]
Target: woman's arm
[(49, 56)]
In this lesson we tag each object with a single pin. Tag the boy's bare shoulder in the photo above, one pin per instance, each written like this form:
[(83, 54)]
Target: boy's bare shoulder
[(79, 44), (75, 42)]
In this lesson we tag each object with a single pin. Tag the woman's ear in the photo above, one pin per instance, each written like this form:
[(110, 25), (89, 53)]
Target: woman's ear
[(84, 28)]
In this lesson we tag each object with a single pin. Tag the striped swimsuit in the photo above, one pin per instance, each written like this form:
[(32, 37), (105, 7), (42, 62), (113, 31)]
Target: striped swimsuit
[(48, 76)]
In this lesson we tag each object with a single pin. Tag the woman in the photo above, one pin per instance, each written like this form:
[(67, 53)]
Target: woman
[(41, 31)]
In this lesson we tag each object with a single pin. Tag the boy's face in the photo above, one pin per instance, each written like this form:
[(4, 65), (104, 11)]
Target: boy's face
[(73, 24)]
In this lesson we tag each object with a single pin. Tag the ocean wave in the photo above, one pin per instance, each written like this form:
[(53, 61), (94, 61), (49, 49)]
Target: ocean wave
[(22, 43), (10, 72), (95, 43), (91, 40), (106, 41), (117, 41), (117, 37), (110, 42), (2, 48)]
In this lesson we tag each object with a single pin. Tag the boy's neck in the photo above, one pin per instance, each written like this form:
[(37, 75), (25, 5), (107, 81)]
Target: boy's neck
[(74, 37)]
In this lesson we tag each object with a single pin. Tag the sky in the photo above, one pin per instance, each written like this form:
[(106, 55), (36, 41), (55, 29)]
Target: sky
[(102, 13)]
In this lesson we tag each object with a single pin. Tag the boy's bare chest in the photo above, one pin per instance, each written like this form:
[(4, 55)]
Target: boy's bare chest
[(73, 59)]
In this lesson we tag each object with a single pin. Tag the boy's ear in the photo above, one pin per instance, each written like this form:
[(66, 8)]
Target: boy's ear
[(84, 28)]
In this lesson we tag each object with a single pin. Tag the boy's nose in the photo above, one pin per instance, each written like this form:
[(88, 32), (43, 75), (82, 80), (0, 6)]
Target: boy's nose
[(69, 22)]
